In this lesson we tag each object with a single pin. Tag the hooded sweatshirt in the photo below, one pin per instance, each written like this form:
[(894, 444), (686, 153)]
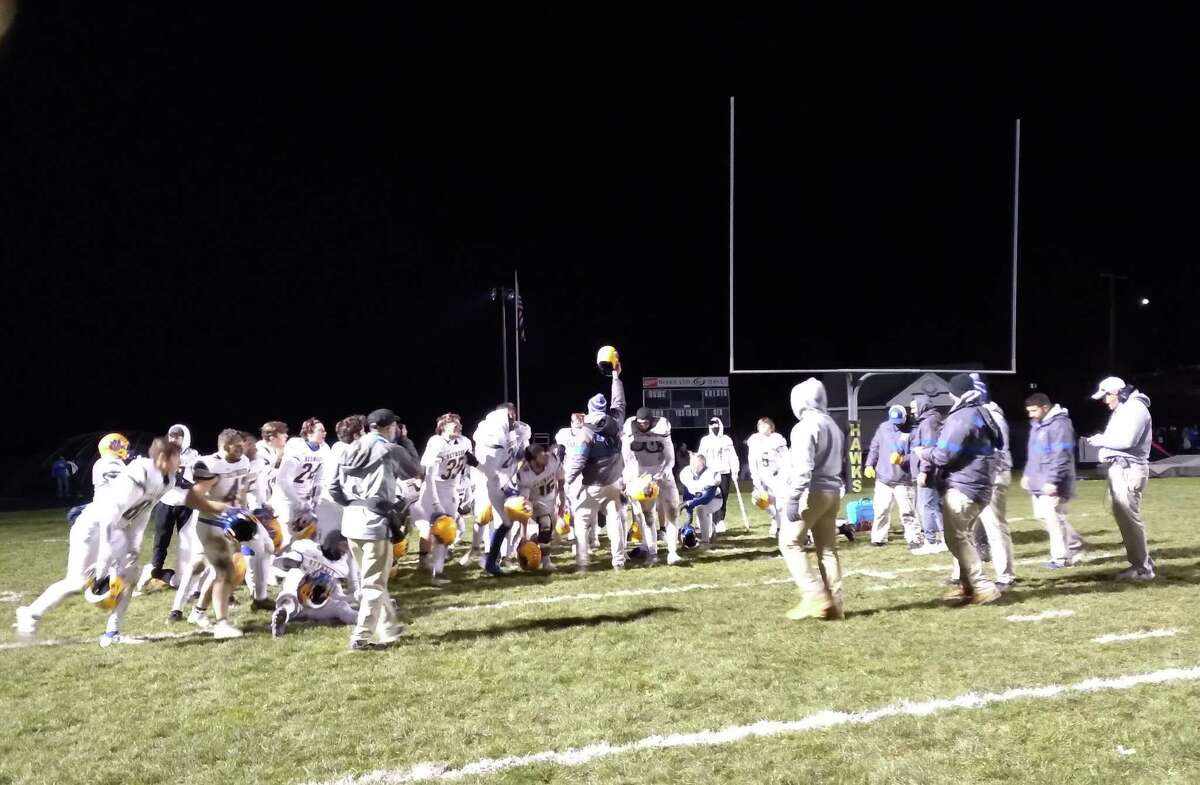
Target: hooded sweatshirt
[(1004, 461), (718, 451), (1129, 431), (1052, 453), (367, 478), (925, 432), (965, 450), (817, 459), (596, 456), (183, 478), (889, 439)]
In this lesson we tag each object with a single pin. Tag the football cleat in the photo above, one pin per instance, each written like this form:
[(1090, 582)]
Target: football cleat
[(607, 360), (223, 630), (643, 489), (110, 638), (303, 526), (518, 508), (279, 620), (114, 445), (761, 499), (240, 522), (444, 529), (529, 555), (105, 593)]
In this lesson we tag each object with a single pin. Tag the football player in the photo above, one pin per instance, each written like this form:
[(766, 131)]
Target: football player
[(495, 439), (106, 538), (114, 451), (222, 477), (298, 482), (767, 452), (269, 452), (444, 461), (329, 513), (171, 514), (647, 450), (539, 481), (566, 438), (701, 494), (312, 578)]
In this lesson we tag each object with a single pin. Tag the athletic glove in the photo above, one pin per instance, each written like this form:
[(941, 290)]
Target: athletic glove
[(869, 473)]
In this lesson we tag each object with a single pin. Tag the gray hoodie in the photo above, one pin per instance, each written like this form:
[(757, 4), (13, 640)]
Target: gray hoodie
[(1129, 431), (817, 456), (366, 479), (596, 455)]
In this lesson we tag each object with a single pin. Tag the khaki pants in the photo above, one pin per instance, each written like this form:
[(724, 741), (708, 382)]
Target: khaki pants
[(994, 520), (960, 514), (1052, 512), (1125, 488), (587, 509), (376, 616), (905, 498), (818, 515)]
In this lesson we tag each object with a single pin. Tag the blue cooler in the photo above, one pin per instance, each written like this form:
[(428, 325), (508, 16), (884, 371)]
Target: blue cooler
[(860, 513)]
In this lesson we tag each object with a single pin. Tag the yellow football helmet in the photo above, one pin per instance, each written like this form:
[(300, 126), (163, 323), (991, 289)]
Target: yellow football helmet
[(485, 515), (114, 445), (635, 531), (238, 575), (444, 529), (399, 549), (563, 525), (273, 528), (104, 594), (607, 360), (518, 508), (314, 590), (529, 556), (761, 499), (643, 489), (303, 526)]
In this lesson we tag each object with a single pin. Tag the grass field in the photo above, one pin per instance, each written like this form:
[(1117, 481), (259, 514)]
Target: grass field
[(520, 666)]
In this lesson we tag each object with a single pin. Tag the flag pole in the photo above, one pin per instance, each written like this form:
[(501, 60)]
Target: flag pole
[(517, 308)]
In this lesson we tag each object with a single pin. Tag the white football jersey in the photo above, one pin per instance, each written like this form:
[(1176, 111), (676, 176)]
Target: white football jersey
[(232, 479), (649, 452), (767, 454), (447, 458), (104, 471), (697, 484), (313, 561), (133, 492), (299, 479), (540, 489)]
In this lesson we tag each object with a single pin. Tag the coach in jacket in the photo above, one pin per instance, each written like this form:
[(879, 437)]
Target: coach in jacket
[(1050, 476), (887, 463)]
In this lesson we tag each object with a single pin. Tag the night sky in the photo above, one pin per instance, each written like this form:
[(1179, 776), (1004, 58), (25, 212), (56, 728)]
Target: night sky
[(223, 218)]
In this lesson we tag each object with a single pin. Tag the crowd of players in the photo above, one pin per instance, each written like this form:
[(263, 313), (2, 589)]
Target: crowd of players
[(325, 525)]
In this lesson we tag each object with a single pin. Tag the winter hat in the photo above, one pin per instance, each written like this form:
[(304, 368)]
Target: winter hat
[(961, 384), (598, 404), (897, 415)]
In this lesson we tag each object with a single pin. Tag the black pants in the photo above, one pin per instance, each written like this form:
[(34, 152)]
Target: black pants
[(168, 519), (726, 483)]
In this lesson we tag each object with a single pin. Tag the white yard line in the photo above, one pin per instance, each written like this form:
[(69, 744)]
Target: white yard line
[(822, 720), (1058, 614), (157, 636), (1136, 636), (10, 596)]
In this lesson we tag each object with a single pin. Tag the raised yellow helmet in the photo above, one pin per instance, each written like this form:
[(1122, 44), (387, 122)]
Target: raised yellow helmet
[(761, 499), (518, 508), (529, 555), (643, 489), (114, 445), (607, 359), (107, 599), (444, 529)]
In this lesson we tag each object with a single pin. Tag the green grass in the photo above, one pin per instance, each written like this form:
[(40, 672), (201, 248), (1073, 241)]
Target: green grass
[(528, 678)]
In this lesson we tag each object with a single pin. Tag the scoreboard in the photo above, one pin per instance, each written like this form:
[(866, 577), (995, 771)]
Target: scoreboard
[(687, 401)]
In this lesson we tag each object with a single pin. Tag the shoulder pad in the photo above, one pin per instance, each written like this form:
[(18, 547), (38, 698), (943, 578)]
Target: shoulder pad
[(201, 472)]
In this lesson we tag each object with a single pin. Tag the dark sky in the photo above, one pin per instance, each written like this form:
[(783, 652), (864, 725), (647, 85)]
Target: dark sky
[(224, 218)]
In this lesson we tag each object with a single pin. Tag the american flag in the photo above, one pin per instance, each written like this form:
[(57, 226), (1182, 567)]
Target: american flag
[(520, 318)]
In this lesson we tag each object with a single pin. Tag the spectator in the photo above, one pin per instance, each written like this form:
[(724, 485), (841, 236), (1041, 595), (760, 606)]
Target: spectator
[(60, 470), (927, 425)]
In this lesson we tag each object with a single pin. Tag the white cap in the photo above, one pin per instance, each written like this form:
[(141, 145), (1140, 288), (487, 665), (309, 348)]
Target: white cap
[(1110, 385)]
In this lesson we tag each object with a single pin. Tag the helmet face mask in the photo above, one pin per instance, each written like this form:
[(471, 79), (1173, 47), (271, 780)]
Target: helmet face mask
[(529, 555)]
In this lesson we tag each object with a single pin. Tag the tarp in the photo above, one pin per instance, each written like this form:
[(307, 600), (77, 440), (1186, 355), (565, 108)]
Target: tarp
[(1178, 466)]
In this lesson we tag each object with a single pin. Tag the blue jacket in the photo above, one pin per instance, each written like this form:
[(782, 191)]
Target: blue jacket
[(924, 433), (887, 440), (965, 452), (1052, 454)]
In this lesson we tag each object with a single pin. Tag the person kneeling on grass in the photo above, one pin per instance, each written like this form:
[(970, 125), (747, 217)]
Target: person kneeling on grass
[(701, 493), (311, 577)]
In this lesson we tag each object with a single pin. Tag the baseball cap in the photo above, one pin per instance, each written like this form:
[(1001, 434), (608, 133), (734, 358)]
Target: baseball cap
[(381, 418), (1110, 385)]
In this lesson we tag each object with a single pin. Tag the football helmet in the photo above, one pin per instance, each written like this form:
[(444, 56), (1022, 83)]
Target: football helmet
[(114, 445), (761, 499), (643, 489), (237, 576), (607, 360), (104, 593), (303, 526), (529, 556), (241, 522), (563, 525), (444, 529), (688, 537), (485, 515), (635, 531), (271, 524), (518, 508), (314, 590), (399, 549)]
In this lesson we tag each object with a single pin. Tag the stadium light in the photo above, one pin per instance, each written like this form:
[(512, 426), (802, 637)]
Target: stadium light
[(1144, 301)]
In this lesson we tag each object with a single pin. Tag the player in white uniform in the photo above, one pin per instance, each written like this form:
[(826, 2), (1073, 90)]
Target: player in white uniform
[(107, 536), (311, 589), (269, 452), (298, 485), (767, 453), (647, 450), (539, 478), (329, 513), (494, 440), (701, 494), (114, 451), (444, 462), (222, 477)]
